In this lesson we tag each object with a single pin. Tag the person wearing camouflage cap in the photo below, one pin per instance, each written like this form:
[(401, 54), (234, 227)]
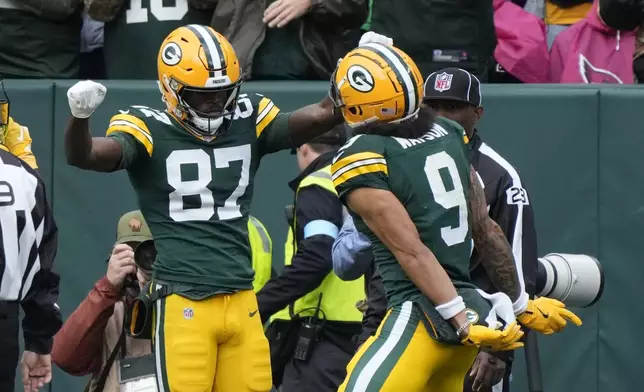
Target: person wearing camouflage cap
[(95, 329), (96, 325), (132, 229), (135, 233)]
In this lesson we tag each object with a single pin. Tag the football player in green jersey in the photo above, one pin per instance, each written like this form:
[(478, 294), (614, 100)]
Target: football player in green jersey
[(407, 180), (192, 167)]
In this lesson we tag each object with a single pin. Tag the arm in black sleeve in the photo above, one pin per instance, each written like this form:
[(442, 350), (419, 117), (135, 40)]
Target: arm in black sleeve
[(312, 261), (376, 305), (530, 255), (42, 316), (513, 213)]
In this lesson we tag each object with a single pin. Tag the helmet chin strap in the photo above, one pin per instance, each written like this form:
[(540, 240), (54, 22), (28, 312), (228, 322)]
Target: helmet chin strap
[(209, 126)]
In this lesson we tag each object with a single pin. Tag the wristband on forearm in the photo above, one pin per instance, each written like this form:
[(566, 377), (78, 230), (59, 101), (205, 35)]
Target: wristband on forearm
[(451, 308), (521, 304)]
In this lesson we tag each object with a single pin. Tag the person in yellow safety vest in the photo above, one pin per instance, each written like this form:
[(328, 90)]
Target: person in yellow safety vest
[(313, 314), (14, 137), (261, 249)]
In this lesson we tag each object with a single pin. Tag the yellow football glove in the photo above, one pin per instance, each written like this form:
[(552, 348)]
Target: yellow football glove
[(547, 316), (494, 339)]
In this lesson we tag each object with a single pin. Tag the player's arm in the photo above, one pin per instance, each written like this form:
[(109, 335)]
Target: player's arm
[(514, 215), (42, 316), (310, 121), (544, 314), (388, 219), (279, 131), (90, 153), (491, 243), (81, 149), (128, 137)]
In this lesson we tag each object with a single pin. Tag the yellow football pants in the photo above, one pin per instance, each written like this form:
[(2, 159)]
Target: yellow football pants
[(213, 345), (401, 356)]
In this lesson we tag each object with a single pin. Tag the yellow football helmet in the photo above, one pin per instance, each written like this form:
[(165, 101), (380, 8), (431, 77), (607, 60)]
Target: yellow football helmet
[(199, 78), (377, 83)]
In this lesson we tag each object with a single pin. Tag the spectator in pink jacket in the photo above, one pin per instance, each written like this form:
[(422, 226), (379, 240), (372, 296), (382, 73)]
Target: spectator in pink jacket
[(598, 48)]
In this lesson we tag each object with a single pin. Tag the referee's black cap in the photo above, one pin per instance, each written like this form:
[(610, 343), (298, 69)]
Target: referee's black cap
[(453, 84)]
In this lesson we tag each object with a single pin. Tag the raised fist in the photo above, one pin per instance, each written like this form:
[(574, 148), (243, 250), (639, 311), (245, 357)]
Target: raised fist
[(84, 97)]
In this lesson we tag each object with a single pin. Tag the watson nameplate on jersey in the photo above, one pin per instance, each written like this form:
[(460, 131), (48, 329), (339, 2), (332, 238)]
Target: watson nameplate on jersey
[(436, 132)]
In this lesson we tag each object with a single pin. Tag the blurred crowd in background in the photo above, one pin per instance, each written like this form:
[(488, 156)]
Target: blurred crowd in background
[(499, 41)]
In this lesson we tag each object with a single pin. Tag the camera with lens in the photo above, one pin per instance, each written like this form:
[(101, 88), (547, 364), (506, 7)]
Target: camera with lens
[(574, 279), (144, 255)]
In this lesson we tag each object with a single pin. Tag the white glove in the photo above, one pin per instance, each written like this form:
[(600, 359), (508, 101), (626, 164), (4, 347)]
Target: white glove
[(371, 37), (84, 97)]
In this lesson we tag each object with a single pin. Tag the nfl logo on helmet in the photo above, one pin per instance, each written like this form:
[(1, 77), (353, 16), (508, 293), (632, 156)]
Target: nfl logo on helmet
[(443, 82)]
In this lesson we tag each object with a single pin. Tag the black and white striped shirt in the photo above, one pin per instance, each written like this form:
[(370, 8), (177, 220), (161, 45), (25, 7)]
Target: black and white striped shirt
[(28, 243), (509, 206)]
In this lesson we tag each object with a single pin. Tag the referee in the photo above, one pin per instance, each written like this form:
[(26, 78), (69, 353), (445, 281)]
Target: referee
[(28, 241)]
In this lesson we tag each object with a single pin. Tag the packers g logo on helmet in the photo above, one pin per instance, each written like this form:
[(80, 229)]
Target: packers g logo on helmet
[(171, 54), (377, 83), (359, 78), (199, 79)]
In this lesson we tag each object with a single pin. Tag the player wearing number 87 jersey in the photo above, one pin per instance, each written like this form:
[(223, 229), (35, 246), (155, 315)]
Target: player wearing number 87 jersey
[(406, 180), (192, 167)]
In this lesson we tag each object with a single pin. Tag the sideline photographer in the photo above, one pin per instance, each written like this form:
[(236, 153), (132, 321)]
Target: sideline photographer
[(92, 338)]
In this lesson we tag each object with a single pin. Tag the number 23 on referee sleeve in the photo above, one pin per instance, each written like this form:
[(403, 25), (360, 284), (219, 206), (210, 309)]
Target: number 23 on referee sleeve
[(517, 196)]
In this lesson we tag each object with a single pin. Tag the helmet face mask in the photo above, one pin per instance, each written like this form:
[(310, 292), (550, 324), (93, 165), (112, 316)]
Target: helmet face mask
[(199, 79), (209, 103), (206, 109)]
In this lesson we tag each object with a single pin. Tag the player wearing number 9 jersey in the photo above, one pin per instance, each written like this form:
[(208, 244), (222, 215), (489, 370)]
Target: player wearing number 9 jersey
[(192, 167), (406, 180)]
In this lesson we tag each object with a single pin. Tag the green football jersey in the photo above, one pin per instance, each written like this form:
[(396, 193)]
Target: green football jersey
[(430, 177), (196, 193)]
